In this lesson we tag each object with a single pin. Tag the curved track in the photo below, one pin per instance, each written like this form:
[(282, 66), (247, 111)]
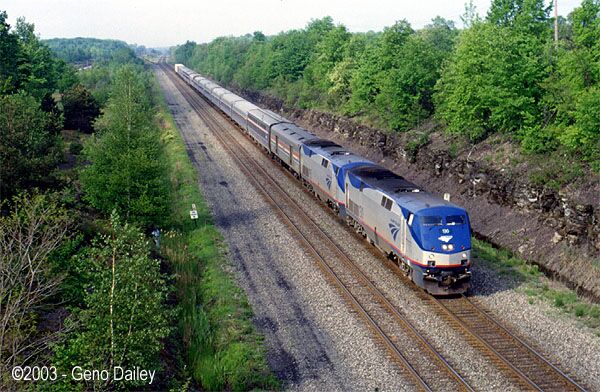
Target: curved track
[(518, 360)]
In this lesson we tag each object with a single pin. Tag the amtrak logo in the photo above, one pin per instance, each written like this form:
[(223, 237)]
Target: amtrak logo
[(328, 182), (394, 230), (445, 238)]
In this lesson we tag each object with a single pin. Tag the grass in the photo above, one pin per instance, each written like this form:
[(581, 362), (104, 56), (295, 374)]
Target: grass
[(534, 284), (223, 349)]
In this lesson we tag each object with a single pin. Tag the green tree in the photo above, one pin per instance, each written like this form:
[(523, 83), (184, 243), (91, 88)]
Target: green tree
[(80, 108), (28, 149), (37, 66), (126, 170), (406, 96), (9, 55), (183, 53), (530, 16), (124, 319), (492, 83)]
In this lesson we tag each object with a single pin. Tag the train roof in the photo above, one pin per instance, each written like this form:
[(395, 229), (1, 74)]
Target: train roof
[(335, 153), (293, 132), (268, 117), (407, 194), (243, 107)]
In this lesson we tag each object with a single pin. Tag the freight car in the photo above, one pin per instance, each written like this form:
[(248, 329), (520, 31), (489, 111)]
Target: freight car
[(427, 236)]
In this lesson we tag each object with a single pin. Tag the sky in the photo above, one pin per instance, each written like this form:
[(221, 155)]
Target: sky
[(161, 23)]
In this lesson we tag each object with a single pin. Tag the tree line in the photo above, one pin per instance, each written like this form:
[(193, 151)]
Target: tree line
[(500, 74), (89, 50)]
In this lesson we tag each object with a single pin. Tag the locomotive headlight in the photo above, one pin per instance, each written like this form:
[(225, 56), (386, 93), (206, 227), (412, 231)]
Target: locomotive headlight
[(444, 247), (450, 247)]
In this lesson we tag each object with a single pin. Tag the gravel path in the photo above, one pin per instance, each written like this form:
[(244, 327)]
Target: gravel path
[(314, 342)]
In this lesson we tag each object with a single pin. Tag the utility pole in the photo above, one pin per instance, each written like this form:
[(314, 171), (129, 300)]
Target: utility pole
[(556, 22)]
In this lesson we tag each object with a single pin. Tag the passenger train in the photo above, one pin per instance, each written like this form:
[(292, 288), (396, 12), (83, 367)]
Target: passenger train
[(427, 236)]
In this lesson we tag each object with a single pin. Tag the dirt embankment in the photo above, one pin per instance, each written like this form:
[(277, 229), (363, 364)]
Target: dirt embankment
[(558, 230)]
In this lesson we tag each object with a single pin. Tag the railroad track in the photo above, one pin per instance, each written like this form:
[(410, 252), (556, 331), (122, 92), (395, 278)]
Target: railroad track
[(519, 361), (427, 368), (524, 364)]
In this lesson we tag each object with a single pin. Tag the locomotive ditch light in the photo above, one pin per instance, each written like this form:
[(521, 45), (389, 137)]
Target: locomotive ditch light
[(464, 255), (431, 256)]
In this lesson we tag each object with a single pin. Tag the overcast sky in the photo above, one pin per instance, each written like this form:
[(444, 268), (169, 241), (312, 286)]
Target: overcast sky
[(157, 23)]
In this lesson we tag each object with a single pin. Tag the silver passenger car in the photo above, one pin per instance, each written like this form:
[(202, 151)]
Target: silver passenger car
[(286, 143)]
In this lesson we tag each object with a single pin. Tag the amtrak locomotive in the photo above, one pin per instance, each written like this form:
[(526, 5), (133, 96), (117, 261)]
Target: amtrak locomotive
[(427, 236)]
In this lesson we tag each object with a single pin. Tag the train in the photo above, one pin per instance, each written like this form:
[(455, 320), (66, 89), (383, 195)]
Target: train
[(427, 236)]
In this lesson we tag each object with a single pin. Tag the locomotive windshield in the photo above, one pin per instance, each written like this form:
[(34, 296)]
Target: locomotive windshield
[(436, 220), (431, 220), (452, 220)]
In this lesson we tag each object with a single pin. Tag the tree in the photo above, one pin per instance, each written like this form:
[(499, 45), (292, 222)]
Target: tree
[(28, 150), (530, 16), (492, 83), (34, 228), (407, 88), (124, 319), (572, 90), (80, 109), (127, 172), (183, 53), (9, 55), (37, 65)]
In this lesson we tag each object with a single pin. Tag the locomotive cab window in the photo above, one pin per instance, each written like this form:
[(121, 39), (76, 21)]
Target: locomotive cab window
[(324, 163), (386, 203), (431, 220), (453, 220)]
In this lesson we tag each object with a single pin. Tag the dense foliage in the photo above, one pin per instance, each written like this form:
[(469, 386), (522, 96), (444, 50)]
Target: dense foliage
[(500, 74), (123, 321), (126, 173), (74, 288), (87, 50), (30, 119)]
